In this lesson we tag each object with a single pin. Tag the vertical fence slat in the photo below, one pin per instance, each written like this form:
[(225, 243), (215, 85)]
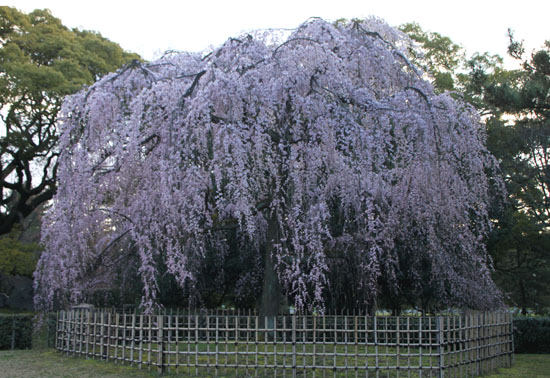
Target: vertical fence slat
[(68, 332), (398, 347), (196, 324), (511, 338), (133, 338), (440, 346), (376, 362), (116, 337), (124, 337), (294, 321), (140, 351), (160, 341)]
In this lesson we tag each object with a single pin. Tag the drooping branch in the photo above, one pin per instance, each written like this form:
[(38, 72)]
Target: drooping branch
[(395, 51), (292, 40), (190, 90)]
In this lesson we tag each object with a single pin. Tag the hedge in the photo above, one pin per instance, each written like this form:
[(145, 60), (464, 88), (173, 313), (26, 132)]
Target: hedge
[(16, 329), (532, 334)]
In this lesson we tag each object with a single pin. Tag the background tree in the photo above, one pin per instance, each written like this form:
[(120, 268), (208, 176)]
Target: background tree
[(449, 68), (436, 54), (41, 61), (521, 242), (293, 157)]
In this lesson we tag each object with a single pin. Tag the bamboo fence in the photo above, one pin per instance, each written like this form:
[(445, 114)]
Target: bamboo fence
[(240, 343)]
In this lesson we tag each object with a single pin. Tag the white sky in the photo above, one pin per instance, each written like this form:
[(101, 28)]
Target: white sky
[(149, 28)]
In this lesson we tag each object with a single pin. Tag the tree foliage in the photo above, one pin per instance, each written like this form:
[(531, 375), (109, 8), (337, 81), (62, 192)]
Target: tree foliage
[(41, 61), (522, 144), (295, 158), (16, 257), (438, 55), (450, 68)]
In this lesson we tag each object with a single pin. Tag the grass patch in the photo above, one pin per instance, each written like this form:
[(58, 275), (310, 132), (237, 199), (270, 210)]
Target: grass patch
[(48, 363), (239, 359), (526, 366)]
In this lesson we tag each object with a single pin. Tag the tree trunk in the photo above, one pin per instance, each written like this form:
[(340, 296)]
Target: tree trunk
[(270, 301), (523, 297)]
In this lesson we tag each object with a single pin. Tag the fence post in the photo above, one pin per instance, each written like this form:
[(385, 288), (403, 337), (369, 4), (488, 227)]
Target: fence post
[(133, 341), (483, 342), (294, 345), (88, 331), (57, 330), (441, 349), (478, 344), (102, 347), (160, 335), (68, 330), (511, 340)]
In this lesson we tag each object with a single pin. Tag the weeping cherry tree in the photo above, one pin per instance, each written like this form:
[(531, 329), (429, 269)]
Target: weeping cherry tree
[(299, 153)]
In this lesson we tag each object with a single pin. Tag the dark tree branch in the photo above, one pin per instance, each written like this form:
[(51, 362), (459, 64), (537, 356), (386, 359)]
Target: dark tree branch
[(190, 90), (293, 40)]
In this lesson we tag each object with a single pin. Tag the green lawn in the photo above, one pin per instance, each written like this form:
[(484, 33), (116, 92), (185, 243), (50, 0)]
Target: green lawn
[(526, 366), (48, 363)]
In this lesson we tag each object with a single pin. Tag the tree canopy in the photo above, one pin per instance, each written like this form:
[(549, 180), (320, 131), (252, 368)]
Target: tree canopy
[(41, 61), (521, 142), (323, 153)]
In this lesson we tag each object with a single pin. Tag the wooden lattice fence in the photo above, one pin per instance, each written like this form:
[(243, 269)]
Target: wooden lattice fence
[(243, 344)]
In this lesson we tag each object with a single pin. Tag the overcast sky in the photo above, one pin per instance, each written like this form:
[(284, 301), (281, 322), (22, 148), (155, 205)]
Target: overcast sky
[(149, 28)]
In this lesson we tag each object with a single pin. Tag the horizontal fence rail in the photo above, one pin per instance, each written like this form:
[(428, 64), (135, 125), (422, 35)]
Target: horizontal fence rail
[(244, 344)]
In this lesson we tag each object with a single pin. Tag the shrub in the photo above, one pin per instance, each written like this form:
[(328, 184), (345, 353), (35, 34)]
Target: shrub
[(22, 324), (532, 334)]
